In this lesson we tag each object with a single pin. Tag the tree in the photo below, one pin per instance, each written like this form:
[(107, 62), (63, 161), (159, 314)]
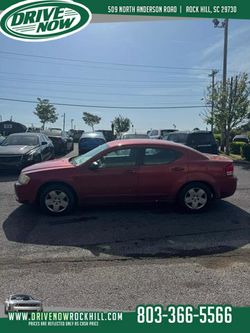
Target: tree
[(231, 105), (91, 119), (121, 124), (46, 112)]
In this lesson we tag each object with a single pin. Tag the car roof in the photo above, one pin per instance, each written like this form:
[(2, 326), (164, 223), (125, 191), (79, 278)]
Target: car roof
[(241, 136), (93, 135), (143, 142), (26, 133), (190, 132), (20, 295)]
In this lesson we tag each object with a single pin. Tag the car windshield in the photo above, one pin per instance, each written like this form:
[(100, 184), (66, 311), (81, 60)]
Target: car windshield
[(21, 140), (21, 297), (86, 157)]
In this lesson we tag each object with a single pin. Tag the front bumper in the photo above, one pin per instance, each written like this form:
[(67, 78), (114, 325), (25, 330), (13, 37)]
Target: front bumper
[(26, 309), (24, 194)]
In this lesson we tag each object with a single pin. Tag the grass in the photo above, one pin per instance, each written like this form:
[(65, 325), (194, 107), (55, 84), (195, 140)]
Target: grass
[(234, 157)]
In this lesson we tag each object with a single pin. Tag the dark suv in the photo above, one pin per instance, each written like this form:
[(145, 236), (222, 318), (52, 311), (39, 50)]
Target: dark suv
[(89, 141), (203, 141)]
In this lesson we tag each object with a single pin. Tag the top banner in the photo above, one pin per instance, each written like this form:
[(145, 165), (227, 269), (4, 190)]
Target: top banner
[(239, 9)]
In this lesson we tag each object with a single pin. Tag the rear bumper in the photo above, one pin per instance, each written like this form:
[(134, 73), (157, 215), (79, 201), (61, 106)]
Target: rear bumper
[(228, 187)]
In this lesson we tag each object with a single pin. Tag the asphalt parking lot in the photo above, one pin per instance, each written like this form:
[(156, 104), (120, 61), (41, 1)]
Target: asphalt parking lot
[(115, 257)]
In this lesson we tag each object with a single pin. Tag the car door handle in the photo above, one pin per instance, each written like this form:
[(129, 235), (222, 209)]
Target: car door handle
[(177, 169)]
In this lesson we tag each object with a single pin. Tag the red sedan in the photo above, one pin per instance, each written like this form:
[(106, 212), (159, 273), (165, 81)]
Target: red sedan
[(128, 170)]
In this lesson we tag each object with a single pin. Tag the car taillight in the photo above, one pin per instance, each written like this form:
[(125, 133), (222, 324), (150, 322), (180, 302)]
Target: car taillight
[(229, 169)]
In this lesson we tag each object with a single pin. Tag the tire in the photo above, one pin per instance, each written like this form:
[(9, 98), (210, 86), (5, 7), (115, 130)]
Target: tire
[(195, 197), (57, 199)]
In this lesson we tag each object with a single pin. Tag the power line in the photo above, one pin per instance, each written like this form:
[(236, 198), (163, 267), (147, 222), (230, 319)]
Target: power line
[(107, 85), (191, 77), (108, 107), (103, 63), (99, 93)]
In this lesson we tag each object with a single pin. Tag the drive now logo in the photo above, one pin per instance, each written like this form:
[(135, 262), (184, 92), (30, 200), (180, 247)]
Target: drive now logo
[(44, 20)]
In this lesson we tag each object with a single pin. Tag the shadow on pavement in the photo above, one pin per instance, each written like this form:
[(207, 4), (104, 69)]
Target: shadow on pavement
[(135, 230), (8, 176)]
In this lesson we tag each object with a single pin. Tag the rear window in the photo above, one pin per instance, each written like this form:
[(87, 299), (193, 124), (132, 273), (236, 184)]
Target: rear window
[(178, 137), (92, 141), (201, 139)]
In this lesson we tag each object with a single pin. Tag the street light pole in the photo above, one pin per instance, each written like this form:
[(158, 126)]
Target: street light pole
[(213, 73), (63, 122), (224, 24)]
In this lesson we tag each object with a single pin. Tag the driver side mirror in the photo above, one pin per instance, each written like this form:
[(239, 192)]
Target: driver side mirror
[(94, 166)]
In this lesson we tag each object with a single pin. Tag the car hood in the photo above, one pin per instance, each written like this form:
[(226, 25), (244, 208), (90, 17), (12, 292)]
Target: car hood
[(15, 150), (34, 302), (50, 165)]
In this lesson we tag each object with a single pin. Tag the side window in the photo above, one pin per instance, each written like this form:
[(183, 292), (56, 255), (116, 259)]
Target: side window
[(154, 156), (119, 158), (154, 133), (202, 139)]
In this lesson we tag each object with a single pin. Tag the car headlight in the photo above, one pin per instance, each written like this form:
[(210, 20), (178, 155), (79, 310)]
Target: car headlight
[(30, 155), (23, 179)]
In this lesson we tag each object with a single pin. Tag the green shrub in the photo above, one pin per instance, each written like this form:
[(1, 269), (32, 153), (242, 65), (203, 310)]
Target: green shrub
[(245, 151), (217, 138), (235, 147)]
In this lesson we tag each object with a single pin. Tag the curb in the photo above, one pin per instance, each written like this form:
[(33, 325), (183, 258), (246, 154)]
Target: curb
[(241, 162)]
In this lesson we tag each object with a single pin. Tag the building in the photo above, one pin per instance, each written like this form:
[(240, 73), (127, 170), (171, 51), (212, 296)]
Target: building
[(10, 127)]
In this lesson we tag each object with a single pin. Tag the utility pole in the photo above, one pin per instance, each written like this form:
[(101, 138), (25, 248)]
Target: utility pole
[(63, 122), (72, 121), (224, 25), (213, 73)]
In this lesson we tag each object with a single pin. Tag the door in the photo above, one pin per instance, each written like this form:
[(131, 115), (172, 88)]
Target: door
[(45, 149), (161, 170), (115, 177)]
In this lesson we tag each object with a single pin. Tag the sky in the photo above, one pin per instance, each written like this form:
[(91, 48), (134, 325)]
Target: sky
[(131, 64)]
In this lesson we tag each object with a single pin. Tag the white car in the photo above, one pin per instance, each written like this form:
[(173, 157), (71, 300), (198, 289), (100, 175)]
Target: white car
[(22, 303)]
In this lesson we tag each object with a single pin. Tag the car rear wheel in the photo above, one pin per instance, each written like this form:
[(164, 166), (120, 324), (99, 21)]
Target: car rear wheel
[(57, 199), (195, 197)]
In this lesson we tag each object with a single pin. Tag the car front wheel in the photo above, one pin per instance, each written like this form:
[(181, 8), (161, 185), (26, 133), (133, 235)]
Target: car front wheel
[(195, 197), (57, 199)]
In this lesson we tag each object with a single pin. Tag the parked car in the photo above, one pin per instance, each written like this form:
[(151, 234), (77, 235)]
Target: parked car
[(1, 139), (62, 142), (125, 171), (160, 133), (22, 303), (202, 141), (89, 141), (241, 138), (22, 149), (75, 134), (126, 136), (108, 134)]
